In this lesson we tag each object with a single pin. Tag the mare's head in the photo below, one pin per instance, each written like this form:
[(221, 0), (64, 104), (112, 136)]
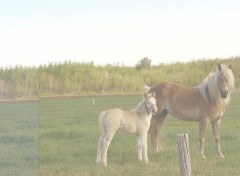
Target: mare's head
[(150, 100), (225, 80)]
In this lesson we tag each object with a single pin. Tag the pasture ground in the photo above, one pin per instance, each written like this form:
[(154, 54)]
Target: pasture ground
[(68, 134), (19, 139)]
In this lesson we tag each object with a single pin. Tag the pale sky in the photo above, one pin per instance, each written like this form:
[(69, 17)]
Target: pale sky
[(117, 31)]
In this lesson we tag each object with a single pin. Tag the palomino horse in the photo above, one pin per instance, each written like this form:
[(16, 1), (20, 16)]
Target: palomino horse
[(137, 121), (205, 103)]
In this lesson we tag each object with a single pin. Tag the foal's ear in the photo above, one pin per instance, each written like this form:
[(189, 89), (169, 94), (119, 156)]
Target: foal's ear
[(219, 67), (146, 89), (145, 95), (230, 67)]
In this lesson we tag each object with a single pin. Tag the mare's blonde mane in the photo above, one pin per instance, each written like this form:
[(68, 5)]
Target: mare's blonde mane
[(209, 88)]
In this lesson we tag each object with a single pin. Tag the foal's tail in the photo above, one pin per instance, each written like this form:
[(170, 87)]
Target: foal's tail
[(100, 120)]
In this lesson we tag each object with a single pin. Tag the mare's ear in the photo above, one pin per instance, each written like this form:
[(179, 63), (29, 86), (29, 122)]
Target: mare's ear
[(230, 67), (154, 94), (219, 67)]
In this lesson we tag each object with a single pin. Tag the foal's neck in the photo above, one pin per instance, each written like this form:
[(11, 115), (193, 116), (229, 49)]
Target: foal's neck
[(141, 109)]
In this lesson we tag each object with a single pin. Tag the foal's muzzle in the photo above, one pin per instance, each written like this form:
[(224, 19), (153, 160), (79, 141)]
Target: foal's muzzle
[(154, 110)]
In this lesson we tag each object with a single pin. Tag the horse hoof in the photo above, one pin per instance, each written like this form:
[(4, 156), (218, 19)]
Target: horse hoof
[(220, 156), (98, 162), (202, 156)]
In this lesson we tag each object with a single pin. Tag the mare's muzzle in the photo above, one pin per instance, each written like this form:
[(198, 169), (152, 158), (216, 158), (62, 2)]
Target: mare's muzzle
[(224, 93)]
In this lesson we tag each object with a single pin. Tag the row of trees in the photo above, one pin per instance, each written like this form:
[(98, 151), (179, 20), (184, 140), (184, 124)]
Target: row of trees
[(19, 82), (71, 78)]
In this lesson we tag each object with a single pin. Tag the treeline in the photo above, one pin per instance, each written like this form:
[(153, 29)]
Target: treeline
[(19, 82), (72, 78)]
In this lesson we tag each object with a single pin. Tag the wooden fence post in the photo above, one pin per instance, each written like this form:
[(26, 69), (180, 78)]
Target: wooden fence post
[(184, 154)]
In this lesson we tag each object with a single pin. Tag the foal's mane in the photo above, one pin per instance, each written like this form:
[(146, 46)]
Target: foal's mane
[(209, 88)]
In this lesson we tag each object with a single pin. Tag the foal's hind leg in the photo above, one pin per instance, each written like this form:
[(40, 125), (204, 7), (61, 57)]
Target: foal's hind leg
[(105, 144), (99, 150), (215, 127)]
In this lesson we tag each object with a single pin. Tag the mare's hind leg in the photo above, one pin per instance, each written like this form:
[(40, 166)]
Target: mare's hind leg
[(215, 127), (155, 127), (203, 124), (105, 144)]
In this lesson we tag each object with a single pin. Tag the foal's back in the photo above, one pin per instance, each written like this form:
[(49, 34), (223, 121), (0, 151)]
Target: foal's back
[(112, 119), (117, 119)]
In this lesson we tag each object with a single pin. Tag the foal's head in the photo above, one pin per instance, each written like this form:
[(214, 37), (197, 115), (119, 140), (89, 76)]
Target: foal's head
[(150, 101), (225, 80)]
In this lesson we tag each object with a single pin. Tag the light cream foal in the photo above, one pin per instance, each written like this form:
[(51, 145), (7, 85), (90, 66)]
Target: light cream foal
[(137, 121)]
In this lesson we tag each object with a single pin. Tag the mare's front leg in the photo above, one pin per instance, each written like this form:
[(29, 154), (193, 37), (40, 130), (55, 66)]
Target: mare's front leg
[(216, 128), (203, 124)]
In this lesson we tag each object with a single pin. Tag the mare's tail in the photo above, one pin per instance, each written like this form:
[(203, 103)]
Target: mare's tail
[(156, 132)]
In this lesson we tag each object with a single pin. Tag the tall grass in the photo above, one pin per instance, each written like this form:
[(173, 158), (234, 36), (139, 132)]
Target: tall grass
[(69, 134)]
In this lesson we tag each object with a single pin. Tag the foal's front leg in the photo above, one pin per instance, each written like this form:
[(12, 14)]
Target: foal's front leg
[(216, 128), (139, 148), (143, 138)]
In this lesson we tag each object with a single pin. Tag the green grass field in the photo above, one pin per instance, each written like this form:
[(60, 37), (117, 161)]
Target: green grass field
[(68, 134), (19, 139)]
